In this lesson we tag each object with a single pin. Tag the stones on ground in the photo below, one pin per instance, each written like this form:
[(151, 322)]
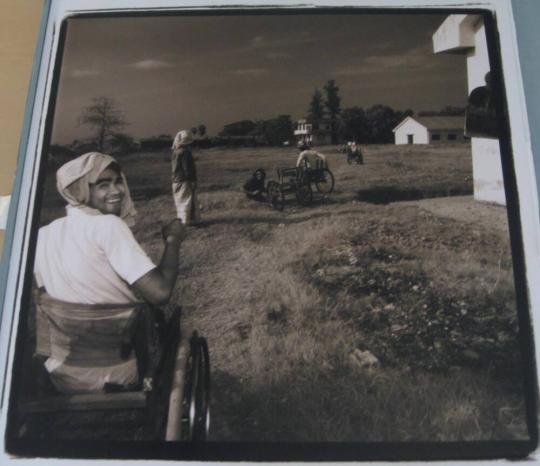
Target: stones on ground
[(397, 328), (403, 316), (471, 355), (363, 359)]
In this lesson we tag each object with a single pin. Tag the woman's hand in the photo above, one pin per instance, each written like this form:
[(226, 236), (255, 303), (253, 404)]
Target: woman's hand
[(176, 229)]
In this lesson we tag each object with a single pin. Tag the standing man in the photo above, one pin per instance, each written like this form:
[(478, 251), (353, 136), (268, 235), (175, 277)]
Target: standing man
[(184, 179)]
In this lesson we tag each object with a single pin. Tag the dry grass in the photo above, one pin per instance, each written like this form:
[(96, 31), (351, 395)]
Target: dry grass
[(283, 299)]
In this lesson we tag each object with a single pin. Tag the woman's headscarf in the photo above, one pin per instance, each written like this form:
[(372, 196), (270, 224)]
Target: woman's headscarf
[(182, 138), (73, 180)]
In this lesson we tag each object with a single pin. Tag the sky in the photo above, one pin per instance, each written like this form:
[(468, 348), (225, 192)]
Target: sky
[(167, 73)]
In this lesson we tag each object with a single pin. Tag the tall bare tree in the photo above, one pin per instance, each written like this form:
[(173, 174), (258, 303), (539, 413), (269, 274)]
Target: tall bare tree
[(104, 116)]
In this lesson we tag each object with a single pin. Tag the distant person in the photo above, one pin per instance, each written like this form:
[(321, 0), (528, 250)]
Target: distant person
[(184, 179), (354, 153), (255, 187), (90, 257), (310, 159)]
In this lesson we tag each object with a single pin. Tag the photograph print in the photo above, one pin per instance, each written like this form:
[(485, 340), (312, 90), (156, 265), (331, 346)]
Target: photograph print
[(266, 227)]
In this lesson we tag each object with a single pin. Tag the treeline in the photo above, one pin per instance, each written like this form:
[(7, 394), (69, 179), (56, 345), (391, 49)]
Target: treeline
[(446, 111), (373, 125), (271, 132)]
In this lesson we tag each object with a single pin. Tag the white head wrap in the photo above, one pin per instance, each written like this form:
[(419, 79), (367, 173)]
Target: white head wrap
[(182, 138), (73, 180)]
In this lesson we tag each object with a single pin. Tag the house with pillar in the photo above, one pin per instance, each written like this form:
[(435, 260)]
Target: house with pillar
[(466, 35)]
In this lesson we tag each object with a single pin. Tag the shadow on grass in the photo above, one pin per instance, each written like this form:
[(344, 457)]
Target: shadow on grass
[(343, 405), (388, 194), (262, 219)]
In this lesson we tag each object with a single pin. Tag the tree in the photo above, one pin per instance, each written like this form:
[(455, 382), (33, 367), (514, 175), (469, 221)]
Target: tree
[(276, 130), (354, 125), (446, 111), (238, 128), (316, 109), (332, 104), (104, 116), (121, 143), (202, 130), (381, 120)]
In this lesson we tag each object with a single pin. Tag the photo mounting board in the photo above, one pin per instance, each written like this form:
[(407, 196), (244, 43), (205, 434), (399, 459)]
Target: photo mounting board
[(22, 213)]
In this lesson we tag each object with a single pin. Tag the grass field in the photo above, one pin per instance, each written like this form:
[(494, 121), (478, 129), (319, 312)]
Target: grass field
[(285, 298)]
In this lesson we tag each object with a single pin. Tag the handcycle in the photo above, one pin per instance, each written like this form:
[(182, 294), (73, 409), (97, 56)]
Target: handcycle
[(299, 181), (355, 157), (173, 387)]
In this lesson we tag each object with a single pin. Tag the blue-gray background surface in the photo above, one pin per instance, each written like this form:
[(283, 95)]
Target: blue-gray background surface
[(526, 15)]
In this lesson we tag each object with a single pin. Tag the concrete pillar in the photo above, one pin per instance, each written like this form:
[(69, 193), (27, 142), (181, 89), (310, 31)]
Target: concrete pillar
[(466, 34)]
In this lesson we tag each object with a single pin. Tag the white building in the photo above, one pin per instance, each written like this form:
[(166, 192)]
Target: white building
[(465, 34), (317, 136), (430, 130)]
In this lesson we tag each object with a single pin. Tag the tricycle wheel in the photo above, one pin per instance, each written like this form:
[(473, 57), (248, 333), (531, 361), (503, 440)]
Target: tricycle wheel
[(275, 195), (325, 184)]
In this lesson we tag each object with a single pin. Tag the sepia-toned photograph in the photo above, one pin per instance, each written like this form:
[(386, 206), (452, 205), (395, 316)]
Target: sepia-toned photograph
[(273, 227)]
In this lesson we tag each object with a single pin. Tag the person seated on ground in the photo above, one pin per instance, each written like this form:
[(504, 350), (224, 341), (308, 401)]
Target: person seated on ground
[(254, 187), (91, 257), (310, 159)]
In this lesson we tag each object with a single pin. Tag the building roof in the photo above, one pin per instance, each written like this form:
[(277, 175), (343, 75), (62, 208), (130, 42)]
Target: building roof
[(442, 122), (434, 123)]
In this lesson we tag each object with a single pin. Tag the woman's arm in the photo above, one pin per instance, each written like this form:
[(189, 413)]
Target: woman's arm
[(157, 285)]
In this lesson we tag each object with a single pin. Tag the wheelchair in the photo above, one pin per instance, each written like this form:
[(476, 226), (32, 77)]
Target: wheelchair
[(173, 386)]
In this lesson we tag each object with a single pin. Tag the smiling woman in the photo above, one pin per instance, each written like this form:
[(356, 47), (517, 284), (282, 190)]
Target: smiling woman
[(90, 257), (108, 191)]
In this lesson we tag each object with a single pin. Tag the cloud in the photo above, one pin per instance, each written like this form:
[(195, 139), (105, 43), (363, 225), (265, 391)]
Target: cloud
[(250, 72), (84, 73), (418, 58), (277, 55), (151, 65), (261, 42), (257, 42)]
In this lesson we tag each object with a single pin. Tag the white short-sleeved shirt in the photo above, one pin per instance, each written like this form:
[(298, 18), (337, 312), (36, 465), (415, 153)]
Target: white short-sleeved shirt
[(312, 157), (90, 259)]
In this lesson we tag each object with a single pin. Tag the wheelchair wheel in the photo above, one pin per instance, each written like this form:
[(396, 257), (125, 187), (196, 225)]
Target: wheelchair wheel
[(325, 184), (275, 195), (196, 402), (304, 194)]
